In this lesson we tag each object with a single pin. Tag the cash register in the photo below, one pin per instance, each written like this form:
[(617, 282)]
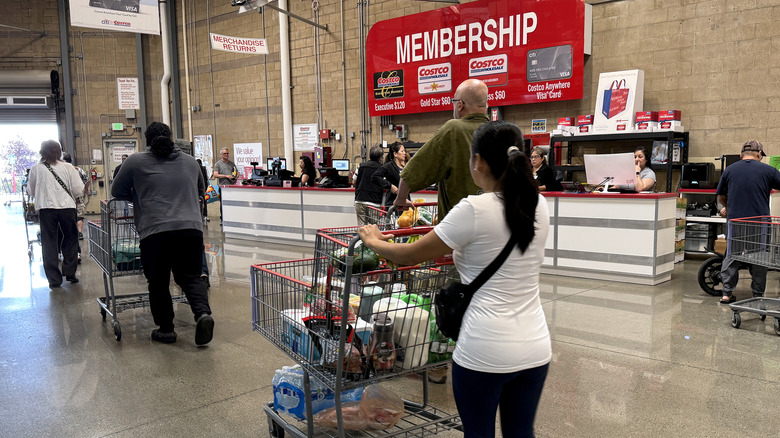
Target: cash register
[(334, 176)]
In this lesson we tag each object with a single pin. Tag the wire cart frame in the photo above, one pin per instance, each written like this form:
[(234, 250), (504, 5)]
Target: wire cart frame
[(31, 218), (300, 306), (114, 246), (756, 241), (385, 218)]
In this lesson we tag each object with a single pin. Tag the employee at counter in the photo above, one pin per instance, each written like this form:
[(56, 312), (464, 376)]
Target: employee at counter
[(645, 177), (308, 172), (543, 173)]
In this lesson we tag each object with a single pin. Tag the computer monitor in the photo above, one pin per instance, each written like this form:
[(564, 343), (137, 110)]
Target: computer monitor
[(610, 169), (341, 165), (270, 162)]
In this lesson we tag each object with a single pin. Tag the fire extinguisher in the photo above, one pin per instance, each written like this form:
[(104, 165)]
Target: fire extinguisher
[(94, 174)]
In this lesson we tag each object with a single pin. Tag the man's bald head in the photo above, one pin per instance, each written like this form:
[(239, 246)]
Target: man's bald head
[(470, 97)]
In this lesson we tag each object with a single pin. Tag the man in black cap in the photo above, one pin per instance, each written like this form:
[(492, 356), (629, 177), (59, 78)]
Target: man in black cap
[(750, 182)]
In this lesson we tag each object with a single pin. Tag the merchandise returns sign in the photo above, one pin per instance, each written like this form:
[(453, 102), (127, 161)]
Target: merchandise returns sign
[(526, 51)]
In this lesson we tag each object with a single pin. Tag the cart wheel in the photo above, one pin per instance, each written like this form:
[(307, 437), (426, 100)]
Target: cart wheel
[(29, 254), (117, 331), (103, 313), (763, 317), (709, 276), (274, 429), (736, 320), (777, 326)]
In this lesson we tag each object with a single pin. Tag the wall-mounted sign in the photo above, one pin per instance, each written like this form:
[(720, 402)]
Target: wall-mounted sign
[(526, 51), (127, 93), (538, 125), (305, 137), (138, 16), (252, 46)]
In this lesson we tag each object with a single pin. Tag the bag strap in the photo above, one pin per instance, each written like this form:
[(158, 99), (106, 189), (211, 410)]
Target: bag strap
[(57, 177), (493, 266)]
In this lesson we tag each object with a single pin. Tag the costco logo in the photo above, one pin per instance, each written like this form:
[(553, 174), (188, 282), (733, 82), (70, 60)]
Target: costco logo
[(435, 78), (492, 70), (384, 82)]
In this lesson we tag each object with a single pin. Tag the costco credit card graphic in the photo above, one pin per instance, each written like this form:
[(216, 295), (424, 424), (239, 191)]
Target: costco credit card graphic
[(549, 63), (117, 5)]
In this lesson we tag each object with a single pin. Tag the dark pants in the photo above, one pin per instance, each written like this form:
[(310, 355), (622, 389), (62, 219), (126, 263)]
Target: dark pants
[(478, 395), (180, 252), (53, 222)]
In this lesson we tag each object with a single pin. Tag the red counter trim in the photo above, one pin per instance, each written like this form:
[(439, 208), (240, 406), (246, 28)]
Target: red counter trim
[(316, 189), (610, 195)]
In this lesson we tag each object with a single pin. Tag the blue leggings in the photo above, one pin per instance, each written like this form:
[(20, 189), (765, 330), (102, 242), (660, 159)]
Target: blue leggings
[(478, 395)]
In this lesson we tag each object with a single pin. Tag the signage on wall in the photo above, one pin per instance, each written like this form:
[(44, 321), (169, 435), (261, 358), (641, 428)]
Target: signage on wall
[(137, 16), (252, 46), (127, 93), (538, 125), (526, 51), (305, 137)]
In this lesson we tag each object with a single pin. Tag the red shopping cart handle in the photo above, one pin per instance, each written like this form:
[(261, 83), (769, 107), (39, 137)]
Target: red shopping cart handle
[(409, 231)]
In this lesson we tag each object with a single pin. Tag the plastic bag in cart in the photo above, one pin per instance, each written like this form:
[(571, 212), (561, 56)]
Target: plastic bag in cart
[(379, 409)]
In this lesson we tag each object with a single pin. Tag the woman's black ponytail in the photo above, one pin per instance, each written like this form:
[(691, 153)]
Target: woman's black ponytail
[(498, 143)]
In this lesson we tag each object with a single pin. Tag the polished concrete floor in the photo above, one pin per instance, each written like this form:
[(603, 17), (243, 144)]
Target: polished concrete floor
[(628, 360)]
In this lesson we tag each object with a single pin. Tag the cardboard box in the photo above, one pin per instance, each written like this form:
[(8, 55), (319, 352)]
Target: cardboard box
[(646, 121), (585, 129), (619, 96), (670, 120), (565, 121), (586, 119), (720, 245)]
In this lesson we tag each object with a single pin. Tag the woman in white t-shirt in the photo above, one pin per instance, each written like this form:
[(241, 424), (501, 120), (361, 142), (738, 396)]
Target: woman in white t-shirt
[(503, 351)]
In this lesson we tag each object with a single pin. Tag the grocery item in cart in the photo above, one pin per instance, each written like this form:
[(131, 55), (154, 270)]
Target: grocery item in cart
[(364, 259), (126, 254), (411, 329), (290, 399), (381, 349), (379, 409)]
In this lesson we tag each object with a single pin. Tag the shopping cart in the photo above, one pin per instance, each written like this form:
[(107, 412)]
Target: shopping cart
[(114, 246), (31, 221), (328, 314), (755, 240)]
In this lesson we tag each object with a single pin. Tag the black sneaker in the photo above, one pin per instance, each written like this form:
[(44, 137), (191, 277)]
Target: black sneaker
[(204, 330), (72, 279), (165, 338), (81, 236), (54, 285)]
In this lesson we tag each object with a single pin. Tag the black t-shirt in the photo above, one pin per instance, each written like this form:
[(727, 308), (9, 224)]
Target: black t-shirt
[(365, 189), (748, 184)]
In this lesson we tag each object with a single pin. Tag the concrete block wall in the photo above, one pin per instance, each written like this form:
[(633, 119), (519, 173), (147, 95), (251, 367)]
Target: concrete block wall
[(712, 59)]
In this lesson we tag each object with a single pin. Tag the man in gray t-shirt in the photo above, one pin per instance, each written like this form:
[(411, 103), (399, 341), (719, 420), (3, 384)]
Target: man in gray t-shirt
[(225, 170)]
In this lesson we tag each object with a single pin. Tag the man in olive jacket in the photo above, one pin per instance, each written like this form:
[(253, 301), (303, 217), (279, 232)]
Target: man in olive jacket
[(444, 159)]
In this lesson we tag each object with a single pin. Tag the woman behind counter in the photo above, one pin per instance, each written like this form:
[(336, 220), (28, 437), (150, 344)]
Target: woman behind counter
[(308, 173), (645, 177), (503, 350), (543, 173), (389, 176)]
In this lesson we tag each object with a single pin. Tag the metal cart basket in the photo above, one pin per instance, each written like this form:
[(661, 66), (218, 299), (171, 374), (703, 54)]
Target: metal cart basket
[(114, 246), (386, 218), (32, 221), (324, 313), (755, 240)]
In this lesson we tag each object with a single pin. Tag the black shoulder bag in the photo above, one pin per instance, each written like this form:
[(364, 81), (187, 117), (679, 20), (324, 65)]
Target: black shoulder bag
[(452, 300), (80, 207)]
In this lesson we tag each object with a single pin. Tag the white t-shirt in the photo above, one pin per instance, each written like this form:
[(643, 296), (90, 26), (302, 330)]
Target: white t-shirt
[(504, 329), (47, 192)]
